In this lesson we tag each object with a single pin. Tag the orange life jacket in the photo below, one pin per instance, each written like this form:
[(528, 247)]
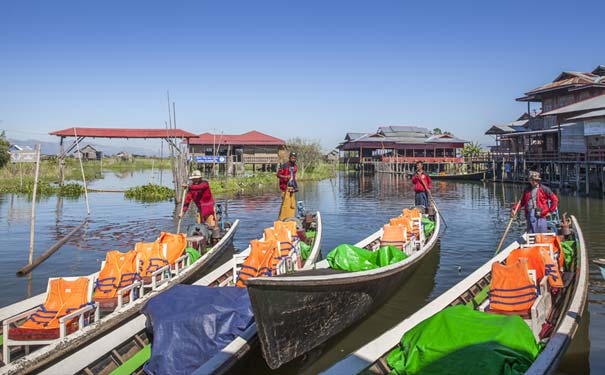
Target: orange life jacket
[(284, 239), (119, 271), (393, 235), (149, 257), (399, 220), (64, 297), (172, 245), (289, 225), (259, 262), (556, 246), (535, 260), (413, 213), (551, 270), (511, 288)]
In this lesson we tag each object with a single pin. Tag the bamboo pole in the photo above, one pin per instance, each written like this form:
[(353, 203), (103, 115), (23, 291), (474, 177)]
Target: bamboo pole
[(83, 176), (33, 216), (27, 269), (512, 217), (178, 227)]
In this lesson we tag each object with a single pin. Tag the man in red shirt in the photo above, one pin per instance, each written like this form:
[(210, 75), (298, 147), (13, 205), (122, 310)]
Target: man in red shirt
[(535, 200), (422, 182), (199, 192), (288, 186)]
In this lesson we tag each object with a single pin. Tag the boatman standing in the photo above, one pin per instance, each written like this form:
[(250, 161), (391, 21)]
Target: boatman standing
[(199, 192), (288, 186), (422, 182), (535, 200)]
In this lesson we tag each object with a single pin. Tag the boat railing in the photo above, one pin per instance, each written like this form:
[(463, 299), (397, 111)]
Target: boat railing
[(181, 263), (160, 277), (133, 296)]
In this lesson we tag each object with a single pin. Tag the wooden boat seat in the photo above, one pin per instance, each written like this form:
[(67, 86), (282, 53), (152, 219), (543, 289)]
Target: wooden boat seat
[(68, 307)]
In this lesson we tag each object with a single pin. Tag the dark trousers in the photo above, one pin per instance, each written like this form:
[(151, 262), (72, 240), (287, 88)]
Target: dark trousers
[(422, 199)]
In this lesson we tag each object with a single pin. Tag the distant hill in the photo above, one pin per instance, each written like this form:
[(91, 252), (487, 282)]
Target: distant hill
[(52, 148)]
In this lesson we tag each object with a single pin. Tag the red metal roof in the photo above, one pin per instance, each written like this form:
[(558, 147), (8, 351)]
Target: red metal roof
[(250, 138), (123, 133)]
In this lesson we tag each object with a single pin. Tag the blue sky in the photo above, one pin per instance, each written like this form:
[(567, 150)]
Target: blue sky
[(313, 69)]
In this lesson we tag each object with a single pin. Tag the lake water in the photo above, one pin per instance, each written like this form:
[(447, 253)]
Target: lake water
[(352, 207)]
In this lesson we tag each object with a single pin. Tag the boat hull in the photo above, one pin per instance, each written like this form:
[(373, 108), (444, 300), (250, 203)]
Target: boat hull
[(285, 333), (296, 313), (461, 177)]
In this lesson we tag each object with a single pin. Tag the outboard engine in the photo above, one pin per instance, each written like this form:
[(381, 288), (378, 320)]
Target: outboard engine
[(198, 237)]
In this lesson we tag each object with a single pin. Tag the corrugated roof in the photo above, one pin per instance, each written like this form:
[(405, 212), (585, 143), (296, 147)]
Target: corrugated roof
[(352, 136), (250, 138), (591, 114), (596, 102), (122, 133), (511, 127)]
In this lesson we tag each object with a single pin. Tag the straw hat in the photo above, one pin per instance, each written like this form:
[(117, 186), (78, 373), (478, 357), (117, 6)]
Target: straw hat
[(533, 175), (196, 174)]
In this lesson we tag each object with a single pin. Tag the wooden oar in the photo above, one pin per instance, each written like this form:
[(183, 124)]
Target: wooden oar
[(512, 217), (433, 201), (178, 227)]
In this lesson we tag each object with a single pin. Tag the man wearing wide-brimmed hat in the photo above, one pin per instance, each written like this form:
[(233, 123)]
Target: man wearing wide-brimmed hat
[(288, 186), (539, 201), (199, 192)]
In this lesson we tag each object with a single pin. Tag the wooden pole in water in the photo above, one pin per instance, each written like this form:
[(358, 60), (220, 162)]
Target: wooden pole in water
[(33, 216), (83, 176), (512, 217), (27, 269), (178, 227)]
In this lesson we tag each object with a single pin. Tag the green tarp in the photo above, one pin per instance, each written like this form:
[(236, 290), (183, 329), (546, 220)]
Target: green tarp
[(568, 253), (428, 225), (193, 254), (305, 250), (460, 340), (352, 258)]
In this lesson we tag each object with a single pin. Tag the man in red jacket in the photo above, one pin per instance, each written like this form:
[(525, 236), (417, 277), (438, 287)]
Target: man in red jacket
[(288, 186), (535, 200), (422, 182), (199, 192)]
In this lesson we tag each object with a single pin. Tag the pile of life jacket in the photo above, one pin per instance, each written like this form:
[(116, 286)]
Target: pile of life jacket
[(512, 290), (123, 269), (265, 255), (402, 229)]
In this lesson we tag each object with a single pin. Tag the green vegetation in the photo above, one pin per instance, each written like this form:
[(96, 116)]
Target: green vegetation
[(246, 185), (471, 150), (310, 160), (19, 178), (149, 193), (4, 146)]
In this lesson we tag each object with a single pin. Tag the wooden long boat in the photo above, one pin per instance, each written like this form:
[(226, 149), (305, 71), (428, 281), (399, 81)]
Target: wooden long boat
[(567, 311), (295, 313), (476, 176), (127, 348), (48, 354)]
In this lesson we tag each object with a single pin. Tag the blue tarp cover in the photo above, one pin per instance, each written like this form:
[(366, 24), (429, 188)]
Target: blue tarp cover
[(189, 324)]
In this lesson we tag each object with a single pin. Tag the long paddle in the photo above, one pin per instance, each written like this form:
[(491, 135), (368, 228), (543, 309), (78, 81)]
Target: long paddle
[(512, 217), (178, 227), (433, 201)]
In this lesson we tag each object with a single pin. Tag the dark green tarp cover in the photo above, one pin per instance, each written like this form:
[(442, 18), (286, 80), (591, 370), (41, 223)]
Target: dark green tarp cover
[(193, 254), (460, 340), (428, 225), (568, 253), (352, 258), (305, 250)]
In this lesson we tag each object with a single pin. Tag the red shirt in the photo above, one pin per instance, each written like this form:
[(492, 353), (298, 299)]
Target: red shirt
[(418, 187), (284, 170), (542, 196), (201, 195)]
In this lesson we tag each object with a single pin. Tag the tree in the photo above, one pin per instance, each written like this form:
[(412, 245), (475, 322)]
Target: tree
[(308, 152), (471, 150), (4, 146), (437, 131)]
